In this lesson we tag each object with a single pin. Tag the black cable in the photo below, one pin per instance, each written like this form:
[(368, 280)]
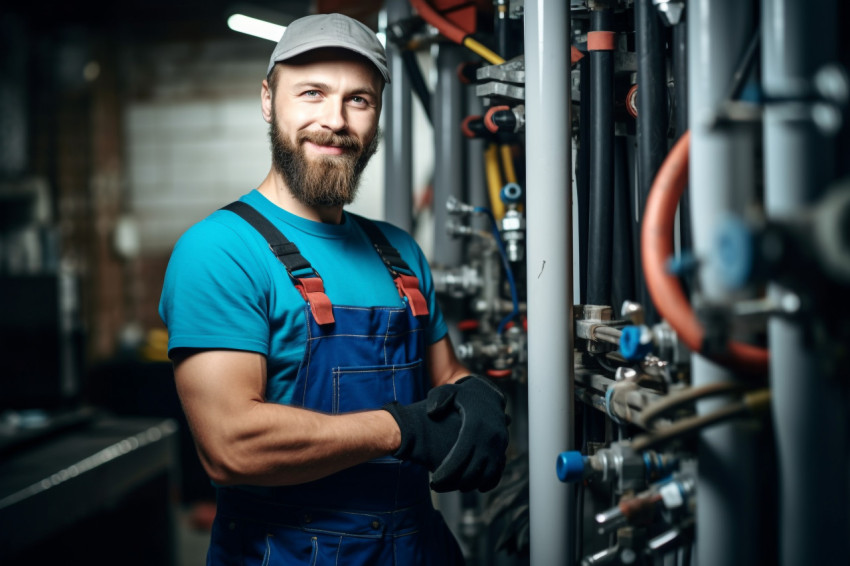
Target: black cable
[(688, 396), (689, 426), (739, 77), (417, 81), (751, 404)]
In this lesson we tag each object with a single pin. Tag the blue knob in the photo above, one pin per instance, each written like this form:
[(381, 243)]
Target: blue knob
[(734, 251), (683, 264), (633, 345), (570, 466), (511, 193)]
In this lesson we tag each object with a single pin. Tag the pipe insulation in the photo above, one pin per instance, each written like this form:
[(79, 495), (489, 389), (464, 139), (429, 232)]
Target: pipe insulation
[(722, 180), (809, 407), (549, 279)]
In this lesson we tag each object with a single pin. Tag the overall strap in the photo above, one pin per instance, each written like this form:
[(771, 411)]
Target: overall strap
[(311, 286), (403, 277)]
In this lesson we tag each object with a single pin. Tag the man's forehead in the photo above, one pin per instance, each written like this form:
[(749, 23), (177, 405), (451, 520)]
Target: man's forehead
[(331, 60)]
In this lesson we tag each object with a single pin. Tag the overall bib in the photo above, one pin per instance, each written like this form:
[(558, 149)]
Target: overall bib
[(376, 513)]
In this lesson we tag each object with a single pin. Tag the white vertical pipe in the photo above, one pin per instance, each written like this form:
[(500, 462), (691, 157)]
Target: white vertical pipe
[(809, 406), (721, 180), (549, 273)]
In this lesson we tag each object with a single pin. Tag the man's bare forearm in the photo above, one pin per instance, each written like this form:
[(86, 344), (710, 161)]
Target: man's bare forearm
[(242, 439), (282, 445)]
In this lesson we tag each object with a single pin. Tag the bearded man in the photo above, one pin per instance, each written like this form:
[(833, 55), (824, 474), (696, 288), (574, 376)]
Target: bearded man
[(310, 354)]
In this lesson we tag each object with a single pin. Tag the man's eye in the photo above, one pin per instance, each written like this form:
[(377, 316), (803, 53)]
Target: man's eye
[(359, 100), (311, 93)]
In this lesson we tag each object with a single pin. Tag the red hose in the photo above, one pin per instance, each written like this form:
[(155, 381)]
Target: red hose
[(664, 288), (445, 27)]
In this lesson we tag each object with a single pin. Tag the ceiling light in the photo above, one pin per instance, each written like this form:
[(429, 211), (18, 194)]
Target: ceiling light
[(255, 27)]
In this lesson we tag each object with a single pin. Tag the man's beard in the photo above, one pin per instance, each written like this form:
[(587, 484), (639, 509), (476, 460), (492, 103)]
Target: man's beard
[(327, 180)]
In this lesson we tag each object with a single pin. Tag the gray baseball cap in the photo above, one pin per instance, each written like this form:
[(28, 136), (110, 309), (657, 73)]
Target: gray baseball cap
[(330, 30)]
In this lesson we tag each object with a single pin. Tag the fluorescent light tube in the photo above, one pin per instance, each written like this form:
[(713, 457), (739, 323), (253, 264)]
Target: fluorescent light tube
[(255, 27)]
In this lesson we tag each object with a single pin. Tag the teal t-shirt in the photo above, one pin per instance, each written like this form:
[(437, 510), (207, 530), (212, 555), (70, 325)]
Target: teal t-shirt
[(224, 288)]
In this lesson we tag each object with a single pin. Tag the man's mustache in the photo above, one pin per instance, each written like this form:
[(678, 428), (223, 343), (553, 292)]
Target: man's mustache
[(329, 138)]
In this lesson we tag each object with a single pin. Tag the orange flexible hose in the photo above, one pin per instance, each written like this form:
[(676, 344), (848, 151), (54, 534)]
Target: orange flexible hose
[(453, 32), (664, 288), (433, 17)]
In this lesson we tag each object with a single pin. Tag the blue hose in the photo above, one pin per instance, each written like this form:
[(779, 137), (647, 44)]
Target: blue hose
[(505, 263)]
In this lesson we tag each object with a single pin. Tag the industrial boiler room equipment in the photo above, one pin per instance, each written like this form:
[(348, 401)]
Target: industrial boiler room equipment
[(641, 212)]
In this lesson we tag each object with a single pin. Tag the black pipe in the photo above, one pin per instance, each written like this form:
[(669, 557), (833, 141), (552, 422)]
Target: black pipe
[(680, 86), (842, 141), (600, 241), (623, 268), (632, 168), (652, 115), (680, 76), (583, 173)]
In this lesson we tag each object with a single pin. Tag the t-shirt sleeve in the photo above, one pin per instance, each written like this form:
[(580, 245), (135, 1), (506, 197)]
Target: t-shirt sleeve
[(212, 295)]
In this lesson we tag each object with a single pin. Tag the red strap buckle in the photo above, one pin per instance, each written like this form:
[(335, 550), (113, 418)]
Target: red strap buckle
[(408, 286), (313, 291)]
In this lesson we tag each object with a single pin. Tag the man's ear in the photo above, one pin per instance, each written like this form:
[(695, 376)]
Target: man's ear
[(266, 99)]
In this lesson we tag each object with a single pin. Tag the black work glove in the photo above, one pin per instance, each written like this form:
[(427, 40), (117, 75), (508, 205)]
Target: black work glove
[(477, 459), (425, 440)]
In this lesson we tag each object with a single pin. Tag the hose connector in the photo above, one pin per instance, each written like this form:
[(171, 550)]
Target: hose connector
[(505, 119)]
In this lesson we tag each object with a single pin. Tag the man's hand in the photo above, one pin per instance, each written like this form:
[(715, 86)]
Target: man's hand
[(425, 439), (477, 459)]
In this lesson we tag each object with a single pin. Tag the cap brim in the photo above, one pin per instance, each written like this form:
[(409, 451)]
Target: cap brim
[(312, 46)]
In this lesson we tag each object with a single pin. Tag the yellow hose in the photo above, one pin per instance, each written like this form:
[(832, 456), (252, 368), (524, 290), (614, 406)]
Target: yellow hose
[(494, 180), (508, 163), (491, 154), (479, 49)]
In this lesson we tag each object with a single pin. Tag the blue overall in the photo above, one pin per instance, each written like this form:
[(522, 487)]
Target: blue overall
[(376, 513)]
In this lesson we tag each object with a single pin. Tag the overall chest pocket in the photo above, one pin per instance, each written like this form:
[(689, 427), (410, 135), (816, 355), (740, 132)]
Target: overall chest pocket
[(371, 387)]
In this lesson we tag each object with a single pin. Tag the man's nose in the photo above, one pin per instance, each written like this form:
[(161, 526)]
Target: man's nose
[(333, 115)]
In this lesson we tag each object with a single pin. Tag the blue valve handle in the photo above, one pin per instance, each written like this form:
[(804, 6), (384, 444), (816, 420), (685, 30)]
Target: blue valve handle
[(631, 346), (570, 466), (735, 252)]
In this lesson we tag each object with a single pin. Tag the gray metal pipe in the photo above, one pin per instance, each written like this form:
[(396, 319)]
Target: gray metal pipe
[(722, 179), (476, 180), (550, 282), (449, 150), (809, 408), (398, 132)]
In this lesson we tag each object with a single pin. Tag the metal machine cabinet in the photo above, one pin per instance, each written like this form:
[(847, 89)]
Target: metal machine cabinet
[(87, 494)]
